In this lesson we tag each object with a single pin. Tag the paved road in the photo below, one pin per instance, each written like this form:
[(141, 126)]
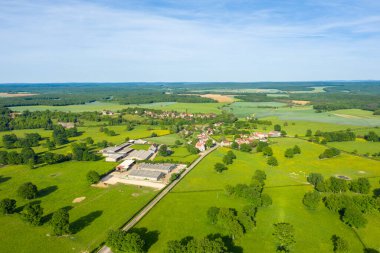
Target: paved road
[(162, 194)]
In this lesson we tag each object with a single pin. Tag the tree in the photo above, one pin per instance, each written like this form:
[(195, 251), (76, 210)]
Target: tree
[(284, 235), (60, 222), (209, 143), (260, 146), (245, 147), (296, 150), (227, 160), (212, 214), (315, 178), (32, 213), (234, 145), (272, 161), (267, 151), (336, 185), (93, 177), (227, 218), (192, 245), (260, 176), (308, 133), (311, 199), (27, 191), (360, 185), (7, 206), (119, 240), (231, 154), (220, 167), (339, 244), (289, 153), (173, 177), (163, 151), (353, 217), (277, 127)]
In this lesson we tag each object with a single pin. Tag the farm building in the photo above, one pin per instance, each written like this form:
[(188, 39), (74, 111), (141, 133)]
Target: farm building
[(146, 175), (139, 155), (114, 157), (139, 141), (125, 165), (115, 149), (161, 167), (225, 143)]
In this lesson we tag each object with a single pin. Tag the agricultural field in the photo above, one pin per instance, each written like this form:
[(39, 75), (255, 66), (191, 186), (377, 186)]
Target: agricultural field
[(188, 203), (304, 113), (168, 139), (59, 184), (359, 146), (100, 106)]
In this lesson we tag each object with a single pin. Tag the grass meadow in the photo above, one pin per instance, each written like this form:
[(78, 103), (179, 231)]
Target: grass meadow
[(59, 184), (183, 211)]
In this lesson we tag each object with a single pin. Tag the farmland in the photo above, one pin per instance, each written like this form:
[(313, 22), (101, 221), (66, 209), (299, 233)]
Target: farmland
[(286, 184)]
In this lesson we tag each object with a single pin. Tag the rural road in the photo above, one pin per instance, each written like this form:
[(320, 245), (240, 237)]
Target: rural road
[(162, 194)]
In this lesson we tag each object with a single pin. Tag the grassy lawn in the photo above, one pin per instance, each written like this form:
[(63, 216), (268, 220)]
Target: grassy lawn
[(180, 154), (360, 145), (183, 211), (103, 209), (166, 139)]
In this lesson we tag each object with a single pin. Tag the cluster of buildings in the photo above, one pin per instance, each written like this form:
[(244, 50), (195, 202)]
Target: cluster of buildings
[(124, 151), (248, 139), (178, 115), (202, 139)]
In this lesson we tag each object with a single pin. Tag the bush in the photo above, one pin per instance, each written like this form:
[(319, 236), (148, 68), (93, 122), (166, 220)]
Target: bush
[(7, 206), (272, 161), (93, 177), (60, 222), (220, 167), (27, 191), (311, 199), (289, 153), (32, 213)]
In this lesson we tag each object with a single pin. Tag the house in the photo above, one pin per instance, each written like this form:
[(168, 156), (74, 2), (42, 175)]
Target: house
[(161, 167), (107, 112), (242, 141), (114, 157), (153, 148), (200, 145), (259, 135), (225, 143), (125, 165), (274, 134), (145, 175)]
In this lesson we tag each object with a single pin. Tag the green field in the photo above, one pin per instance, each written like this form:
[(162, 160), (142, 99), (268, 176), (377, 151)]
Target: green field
[(183, 211), (168, 139), (360, 146), (305, 113), (103, 209), (180, 154), (100, 106)]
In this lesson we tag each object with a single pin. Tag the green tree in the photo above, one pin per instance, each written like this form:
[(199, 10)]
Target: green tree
[(296, 150), (267, 151), (260, 176), (315, 178), (311, 199), (7, 206), (220, 167), (32, 213), (93, 177), (284, 235), (353, 217), (360, 185), (277, 127), (234, 145), (209, 143), (337, 185), (27, 191), (163, 150), (119, 240), (231, 154), (339, 244), (227, 160), (289, 153), (308, 133), (272, 161), (245, 147), (60, 222)]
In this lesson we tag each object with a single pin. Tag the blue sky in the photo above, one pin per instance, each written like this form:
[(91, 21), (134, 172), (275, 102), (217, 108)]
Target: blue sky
[(199, 40)]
